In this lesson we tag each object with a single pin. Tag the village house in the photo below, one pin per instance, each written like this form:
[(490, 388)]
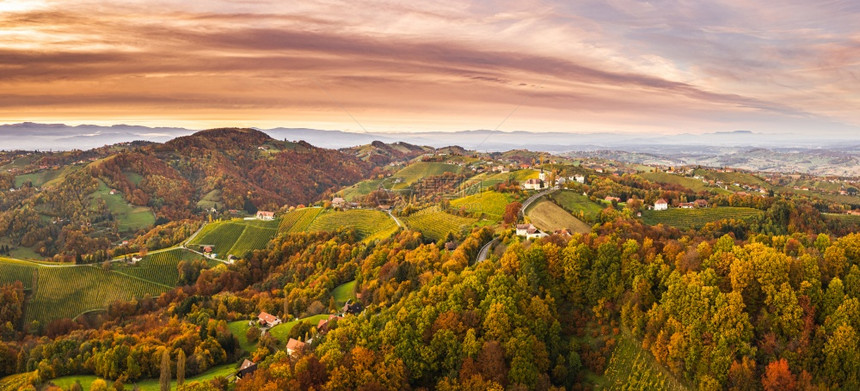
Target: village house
[(266, 319), (351, 308), (294, 345), (450, 245), (611, 198), (579, 178), (661, 204), (135, 259), (324, 325), (338, 202), (529, 231), (248, 367), (533, 184), (701, 203), (264, 215), (687, 205)]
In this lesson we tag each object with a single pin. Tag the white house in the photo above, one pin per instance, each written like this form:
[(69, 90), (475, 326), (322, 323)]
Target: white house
[(533, 184), (263, 215), (529, 231), (661, 204), (579, 178)]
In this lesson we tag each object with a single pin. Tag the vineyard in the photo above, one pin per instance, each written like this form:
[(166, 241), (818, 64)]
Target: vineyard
[(632, 368), (370, 224), (236, 237), (690, 183), (577, 204), (488, 180), (66, 292), (692, 218), (550, 217), (298, 220), (435, 224), (415, 171), (161, 267), (490, 203), (12, 270)]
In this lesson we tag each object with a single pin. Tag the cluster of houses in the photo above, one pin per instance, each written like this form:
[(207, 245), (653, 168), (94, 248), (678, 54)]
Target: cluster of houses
[(662, 204), (265, 321)]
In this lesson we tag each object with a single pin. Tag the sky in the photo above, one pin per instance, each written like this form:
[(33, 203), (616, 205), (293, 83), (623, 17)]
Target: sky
[(583, 66)]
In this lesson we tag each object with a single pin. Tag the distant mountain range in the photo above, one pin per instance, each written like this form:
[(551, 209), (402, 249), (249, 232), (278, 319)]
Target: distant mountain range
[(32, 136)]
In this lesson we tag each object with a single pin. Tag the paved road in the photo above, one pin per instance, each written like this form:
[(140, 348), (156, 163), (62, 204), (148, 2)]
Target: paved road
[(534, 198), (485, 251)]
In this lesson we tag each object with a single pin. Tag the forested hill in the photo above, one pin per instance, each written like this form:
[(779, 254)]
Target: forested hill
[(81, 202)]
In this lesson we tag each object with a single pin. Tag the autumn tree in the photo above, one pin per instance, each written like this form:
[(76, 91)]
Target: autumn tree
[(180, 367), (778, 377)]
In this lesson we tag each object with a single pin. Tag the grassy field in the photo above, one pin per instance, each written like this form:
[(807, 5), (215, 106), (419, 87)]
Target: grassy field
[(575, 203), (550, 217), (415, 171), (161, 267), (435, 224), (732, 177), (66, 292), (490, 203), (692, 218), (362, 188), (490, 179), (632, 368), (344, 292), (239, 328), (128, 217), (690, 183), (148, 384), (299, 220), (210, 199), (12, 270), (44, 177), (282, 331), (236, 237), (370, 224)]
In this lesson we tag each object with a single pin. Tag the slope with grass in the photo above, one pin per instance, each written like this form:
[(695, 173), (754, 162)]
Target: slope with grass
[(416, 171), (239, 329), (577, 204), (344, 292), (129, 217), (693, 218), (224, 370), (281, 332), (490, 203), (66, 292), (435, 223), (370, 224), (550, 217)]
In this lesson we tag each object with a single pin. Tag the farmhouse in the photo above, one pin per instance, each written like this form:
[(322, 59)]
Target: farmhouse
[(701, 203), (352, 308), (579, 178), (268, 320), (529, 231), (247, 367), (533, 184), (263, 215), (338, 202), (294, 345), (611, 198), (687, 205), (661, 204), (450, 245), (135, 259), (325, 324)]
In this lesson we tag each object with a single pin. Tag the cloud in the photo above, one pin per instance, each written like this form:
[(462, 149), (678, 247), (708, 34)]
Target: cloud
[(664, 64)]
